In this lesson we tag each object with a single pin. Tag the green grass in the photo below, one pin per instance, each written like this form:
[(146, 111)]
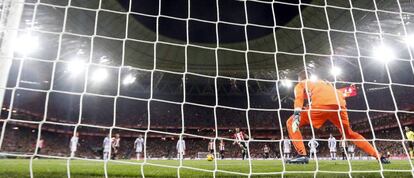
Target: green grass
[(20, 168)]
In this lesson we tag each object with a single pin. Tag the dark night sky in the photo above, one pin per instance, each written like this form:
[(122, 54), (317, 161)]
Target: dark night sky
[(229, 11)]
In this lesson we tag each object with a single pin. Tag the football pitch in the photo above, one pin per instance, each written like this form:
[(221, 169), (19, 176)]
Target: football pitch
[(20, 168)]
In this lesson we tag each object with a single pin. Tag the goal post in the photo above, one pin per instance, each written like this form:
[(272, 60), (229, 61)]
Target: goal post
[(11, 13)]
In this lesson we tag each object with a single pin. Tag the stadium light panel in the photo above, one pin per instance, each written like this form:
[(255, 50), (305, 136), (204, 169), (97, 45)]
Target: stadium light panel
[(100, 75), (75, 67), (287, 83), (410, 40), (384, 53), (313, 78), (26, 44), (129, 79), (336, 71)]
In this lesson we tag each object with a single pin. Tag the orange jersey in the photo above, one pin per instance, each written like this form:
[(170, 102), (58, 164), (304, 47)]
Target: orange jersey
[(321, 93)]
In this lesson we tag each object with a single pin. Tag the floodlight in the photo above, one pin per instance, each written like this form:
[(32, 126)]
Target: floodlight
[(104, 60), (313, 78), (410, 40), (287, 83), (26, 44), (75, 67), (384, 53), (335, 71), (99, 75), (129, 79)]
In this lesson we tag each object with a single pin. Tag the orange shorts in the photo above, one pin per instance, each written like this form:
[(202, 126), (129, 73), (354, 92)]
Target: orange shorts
[(318, 116)]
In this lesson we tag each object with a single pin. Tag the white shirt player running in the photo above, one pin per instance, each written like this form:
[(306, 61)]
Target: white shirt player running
[(107, 145), (139, 143), (332, 144), (74, 143)]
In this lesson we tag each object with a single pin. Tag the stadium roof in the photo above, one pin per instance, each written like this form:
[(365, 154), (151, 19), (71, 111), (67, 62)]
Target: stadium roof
[(170, 51), (232, 30), (231, 56)]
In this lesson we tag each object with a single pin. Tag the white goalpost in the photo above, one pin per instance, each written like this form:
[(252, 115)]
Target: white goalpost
[(10, 19), (108, 68)]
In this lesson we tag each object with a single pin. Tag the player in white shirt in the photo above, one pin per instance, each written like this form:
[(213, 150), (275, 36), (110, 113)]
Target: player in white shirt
[(138, 145), (332, 146), (344, 149), (106, 147), (180, 148), (73, 145), (351, 151), (313, 144), (286, 147)]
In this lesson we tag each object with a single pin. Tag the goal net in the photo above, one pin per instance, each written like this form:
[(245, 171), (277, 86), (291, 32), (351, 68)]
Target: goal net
[(127, 88)]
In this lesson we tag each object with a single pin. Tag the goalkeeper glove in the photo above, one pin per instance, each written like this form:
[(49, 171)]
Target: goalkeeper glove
[(296, 120)]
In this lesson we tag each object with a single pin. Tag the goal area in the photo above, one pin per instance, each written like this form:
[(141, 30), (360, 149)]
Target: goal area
[(146, 88)]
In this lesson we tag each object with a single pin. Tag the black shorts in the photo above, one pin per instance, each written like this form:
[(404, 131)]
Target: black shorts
[(212, 151), (411, 144), (221, 151), (243, 145)]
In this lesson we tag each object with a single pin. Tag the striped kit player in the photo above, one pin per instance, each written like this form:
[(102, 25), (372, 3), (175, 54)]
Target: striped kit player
[(240, 137), (210, 147), (221, 146)]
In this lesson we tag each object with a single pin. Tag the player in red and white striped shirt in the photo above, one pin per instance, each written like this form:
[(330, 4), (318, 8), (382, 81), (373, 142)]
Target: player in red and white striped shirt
[(211, 146), (240, 136), (221, 149), (115, 146)]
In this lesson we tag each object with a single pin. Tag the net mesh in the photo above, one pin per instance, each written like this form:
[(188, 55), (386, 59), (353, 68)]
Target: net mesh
[(195, 71)]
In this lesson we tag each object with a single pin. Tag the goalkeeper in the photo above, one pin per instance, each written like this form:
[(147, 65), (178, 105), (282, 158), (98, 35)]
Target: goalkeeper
[(323, 96), (410, 137)]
